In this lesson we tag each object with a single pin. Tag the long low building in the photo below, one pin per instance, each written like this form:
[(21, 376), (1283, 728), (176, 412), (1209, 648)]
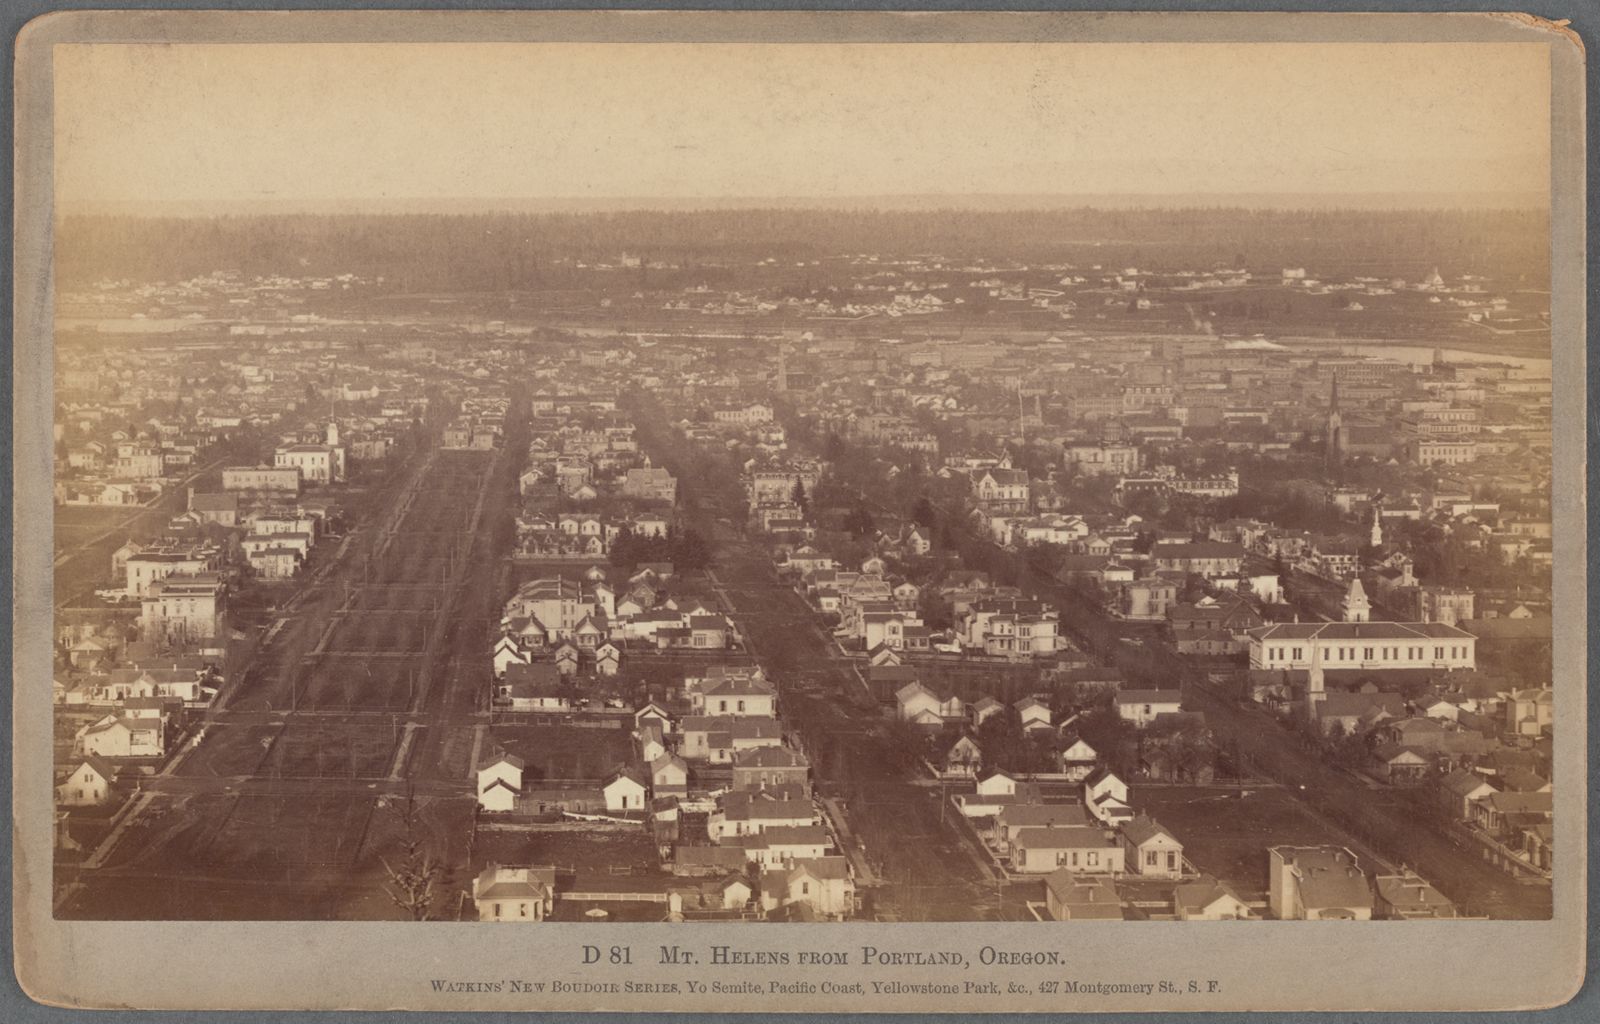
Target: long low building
[(1363, 645)]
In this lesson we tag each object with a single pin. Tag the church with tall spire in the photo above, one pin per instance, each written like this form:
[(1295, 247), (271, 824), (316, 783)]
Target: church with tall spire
[(1354, 606), (1335, 429)]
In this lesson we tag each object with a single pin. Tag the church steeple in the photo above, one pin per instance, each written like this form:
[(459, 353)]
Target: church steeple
[(1355, 607), (1335, 432), (1315, 683)]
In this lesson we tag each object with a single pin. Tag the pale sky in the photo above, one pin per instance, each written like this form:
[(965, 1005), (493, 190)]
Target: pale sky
[(314, 122)]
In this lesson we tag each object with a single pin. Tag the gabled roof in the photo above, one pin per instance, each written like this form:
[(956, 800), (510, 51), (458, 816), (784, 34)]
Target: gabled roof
[(1085, 897), (1205, 891), (1060, 838), (100, 766), (770, 757), (1143, 829), (489, 761), (1463, 783), (1030, 815)]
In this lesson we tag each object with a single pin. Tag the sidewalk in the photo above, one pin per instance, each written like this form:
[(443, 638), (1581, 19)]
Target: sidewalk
[(848, 843)]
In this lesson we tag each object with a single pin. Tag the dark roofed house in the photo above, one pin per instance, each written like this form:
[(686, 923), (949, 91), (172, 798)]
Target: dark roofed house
[(1070, 896), (1406, 897)]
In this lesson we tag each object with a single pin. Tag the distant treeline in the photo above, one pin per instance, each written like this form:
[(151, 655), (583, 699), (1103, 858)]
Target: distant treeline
[(493, 252)]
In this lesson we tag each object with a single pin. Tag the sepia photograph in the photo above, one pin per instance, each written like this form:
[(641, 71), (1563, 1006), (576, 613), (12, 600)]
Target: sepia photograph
[(1027, 479)]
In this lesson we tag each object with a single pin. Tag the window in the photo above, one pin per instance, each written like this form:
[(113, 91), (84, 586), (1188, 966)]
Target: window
[(1172, 860), (805, 888), (1438, 653), (497, 910), (1150, 857), (722, 705), (1094, 859), (741, 705), (1366, 654), (1074, 858), (1297, 654), (523, 908)]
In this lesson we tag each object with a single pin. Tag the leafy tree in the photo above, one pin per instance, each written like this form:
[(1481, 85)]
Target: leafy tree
[(690, 551), (623, 552), (859, 521), (924, 514), (798, 496)]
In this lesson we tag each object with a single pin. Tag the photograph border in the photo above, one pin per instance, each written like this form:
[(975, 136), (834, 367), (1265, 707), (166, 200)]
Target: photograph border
[(31, 360)]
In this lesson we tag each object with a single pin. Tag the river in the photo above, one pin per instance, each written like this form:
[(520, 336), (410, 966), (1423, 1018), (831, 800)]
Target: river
[(1531, 366)]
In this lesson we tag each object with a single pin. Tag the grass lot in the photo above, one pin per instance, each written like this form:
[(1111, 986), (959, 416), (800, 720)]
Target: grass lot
[(330, 750), (190, 899), (1229, 837), (75, 524), (172, 835), (562, 751), (407, 562), (301, 836), (384, 632), (592, 852), (419, 599), (337, 681), (229, 750)]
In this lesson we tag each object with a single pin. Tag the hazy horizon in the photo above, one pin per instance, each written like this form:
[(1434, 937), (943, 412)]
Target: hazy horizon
[(995, 203)]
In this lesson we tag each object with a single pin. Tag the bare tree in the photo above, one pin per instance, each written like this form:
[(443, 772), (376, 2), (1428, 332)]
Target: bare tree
[(411, 883)]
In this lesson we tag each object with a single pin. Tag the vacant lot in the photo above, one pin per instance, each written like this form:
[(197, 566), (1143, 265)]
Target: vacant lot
[(333, 750), (592, 852), (172, 835), (336, 682), (230, 750), (562, 751), (145, 898), (391, 632), (75, 524), (1228, 836), (410, 561), (416, 599), (304, 836)]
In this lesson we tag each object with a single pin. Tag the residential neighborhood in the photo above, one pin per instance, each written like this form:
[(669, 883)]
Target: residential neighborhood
[(943, 587)]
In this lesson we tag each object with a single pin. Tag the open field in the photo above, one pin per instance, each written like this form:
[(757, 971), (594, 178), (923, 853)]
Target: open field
[(407, 563), (386, 632), (414, 599), (562, 752), (1227, 836), (355, 681), (332, 749), (587, 850), (75, 524), (230, 750), (284, 837), (168, 898)]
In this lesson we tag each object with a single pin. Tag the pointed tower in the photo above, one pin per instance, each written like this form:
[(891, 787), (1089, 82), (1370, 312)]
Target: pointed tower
[(1375, 534), (333, 434), (1335, 430), (1355, 607), (1315, 684)]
